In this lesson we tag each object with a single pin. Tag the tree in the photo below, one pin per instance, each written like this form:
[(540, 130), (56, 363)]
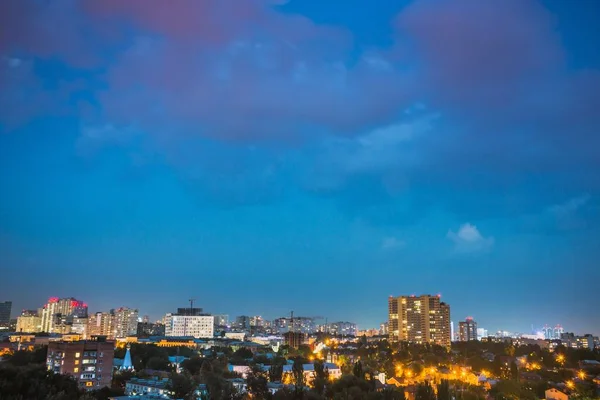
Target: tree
[(276, 372), (258, 384), (182, 386), (443, 390), (357, 370), (298, 376), (514, 371), (321, 377), (425, 392)]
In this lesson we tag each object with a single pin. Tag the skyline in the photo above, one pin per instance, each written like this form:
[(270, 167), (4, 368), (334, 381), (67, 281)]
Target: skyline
[(300, 155)]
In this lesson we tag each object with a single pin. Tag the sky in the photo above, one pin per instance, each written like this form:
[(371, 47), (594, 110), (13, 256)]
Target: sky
[(265, 156)]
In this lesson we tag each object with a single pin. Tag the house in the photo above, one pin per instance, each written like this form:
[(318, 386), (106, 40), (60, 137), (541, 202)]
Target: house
[(555, 394)]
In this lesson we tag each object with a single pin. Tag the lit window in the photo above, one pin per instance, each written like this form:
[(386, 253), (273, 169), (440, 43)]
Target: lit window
[(75, 369), (76, 362), (77, 355)]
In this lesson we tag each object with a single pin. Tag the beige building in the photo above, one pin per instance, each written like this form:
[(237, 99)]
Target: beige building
[(422, 319), (101, 324), (58, 312), (126, 320), (29, 322)]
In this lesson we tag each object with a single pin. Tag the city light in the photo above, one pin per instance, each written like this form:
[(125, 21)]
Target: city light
[(570, 384), (581, 375)]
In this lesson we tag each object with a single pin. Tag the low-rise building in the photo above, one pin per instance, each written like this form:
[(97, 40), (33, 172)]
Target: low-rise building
[(555, 394), (154, 387)]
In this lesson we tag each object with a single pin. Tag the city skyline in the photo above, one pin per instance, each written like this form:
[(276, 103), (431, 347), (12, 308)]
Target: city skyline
[(303, 155), (535, 327)]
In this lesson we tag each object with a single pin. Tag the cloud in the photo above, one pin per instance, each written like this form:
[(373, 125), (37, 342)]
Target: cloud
[(392, 243), (468, 239)]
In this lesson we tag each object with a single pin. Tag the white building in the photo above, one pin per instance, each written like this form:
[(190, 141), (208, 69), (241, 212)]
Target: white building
[(198, 326)]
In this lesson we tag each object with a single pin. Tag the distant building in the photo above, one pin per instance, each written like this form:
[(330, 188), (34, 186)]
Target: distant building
[(5, 309), (295, 339), (221, 320), (242, 322), (190, 311), (481, 333), (383, 329), (146, 329), (342, 328), (126, 320), (90, 362), (423, 319), (101, 324), (467, 330), (198, 326), (551, 333), (29, 322), (58, 314)]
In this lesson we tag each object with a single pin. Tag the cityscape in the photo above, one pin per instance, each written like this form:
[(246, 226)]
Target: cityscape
[(106, 352), (299, 199)]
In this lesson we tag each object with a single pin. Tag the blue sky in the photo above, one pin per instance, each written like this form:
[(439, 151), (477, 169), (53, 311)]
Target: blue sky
[(313, 156)]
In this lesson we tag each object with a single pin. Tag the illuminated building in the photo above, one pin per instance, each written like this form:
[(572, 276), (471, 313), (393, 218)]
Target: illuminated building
[(294, 339), (482, 333), (101, 324), (146, 329), (342, 328), (29, 322), (467, 330), (126, 320), (5, 309), (198, 326), (423, 319), (58, 313), (221, 319), (90, 362)]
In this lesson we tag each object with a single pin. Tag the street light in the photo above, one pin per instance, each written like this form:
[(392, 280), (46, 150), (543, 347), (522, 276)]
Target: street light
[(581, 375)]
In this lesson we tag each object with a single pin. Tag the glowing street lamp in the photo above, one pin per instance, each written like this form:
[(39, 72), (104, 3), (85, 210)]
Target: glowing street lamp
[(581, 375), (560, 358), (570, 384)]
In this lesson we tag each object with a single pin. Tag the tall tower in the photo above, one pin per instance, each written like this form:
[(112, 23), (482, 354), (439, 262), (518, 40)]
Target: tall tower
[(422, 319)]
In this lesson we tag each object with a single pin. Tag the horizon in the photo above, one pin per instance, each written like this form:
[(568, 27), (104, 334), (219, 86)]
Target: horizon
[(267, 156)]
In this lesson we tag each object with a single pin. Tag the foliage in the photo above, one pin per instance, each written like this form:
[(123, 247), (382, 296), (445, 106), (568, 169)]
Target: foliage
[(425, 392), (321, 377), (443, 390), (35, 382), (182, 386), (276, 372), (357, 370)]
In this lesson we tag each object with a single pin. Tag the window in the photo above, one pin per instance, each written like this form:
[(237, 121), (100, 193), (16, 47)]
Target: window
[(77, 355), (76, 362), (75, 369)]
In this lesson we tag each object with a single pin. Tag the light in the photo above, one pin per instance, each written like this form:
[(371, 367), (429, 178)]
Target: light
[(581, 375), (570, 384)]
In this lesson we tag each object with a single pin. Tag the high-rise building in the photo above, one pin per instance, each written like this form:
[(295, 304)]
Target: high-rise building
[(90, 362), (242, 322), (467, 330), (423, 319), (482, 333), (342, 328), (60, 312), (146, 329), (29, 322), (198, 326), (101, 324), (126, 320), (5, 309), (221, 319)]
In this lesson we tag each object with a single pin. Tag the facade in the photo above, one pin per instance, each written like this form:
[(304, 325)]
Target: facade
[(90, 362), (342, 328), (221, 319), (5, 309), (198, 326), (29, 322), (156, 388), (555, 394), (423, 319), (467, 330), (101, 324), (59, 312), (242, 322), (146, 329), (551, 333), (126, 320)]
